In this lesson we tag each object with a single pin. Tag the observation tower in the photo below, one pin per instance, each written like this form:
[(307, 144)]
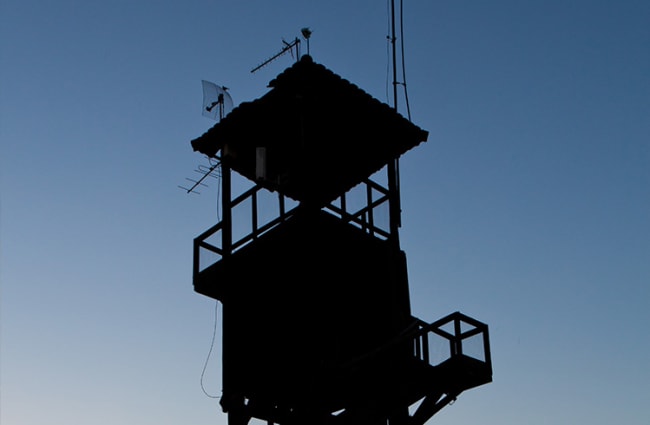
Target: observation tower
[(317, 323)]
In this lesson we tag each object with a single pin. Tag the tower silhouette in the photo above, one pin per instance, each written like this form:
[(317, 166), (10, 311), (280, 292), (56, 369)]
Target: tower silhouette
[(317, 323)]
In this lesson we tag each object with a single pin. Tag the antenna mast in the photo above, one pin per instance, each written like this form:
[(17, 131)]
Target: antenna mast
[(395, 208), (393, 38)]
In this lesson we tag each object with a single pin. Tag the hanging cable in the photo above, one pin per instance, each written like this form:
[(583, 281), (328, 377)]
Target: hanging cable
[(205, 366)]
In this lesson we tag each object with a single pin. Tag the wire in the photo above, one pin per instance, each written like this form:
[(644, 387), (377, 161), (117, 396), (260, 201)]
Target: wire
[(207, 359)]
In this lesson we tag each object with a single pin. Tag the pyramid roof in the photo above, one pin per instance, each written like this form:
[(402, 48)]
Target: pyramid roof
[(320, 135)]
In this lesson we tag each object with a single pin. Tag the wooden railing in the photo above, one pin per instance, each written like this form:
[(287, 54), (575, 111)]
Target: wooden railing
[(452, 336), (209, 243)]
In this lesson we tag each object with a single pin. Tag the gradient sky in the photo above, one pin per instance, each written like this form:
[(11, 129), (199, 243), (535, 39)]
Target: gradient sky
[(528, 208)]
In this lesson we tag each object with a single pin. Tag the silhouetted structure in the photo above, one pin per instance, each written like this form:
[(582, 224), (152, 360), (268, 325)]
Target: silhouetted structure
[(317, 325)]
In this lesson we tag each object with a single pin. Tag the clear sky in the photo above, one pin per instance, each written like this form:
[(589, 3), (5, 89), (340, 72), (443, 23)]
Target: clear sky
[(528, 208)]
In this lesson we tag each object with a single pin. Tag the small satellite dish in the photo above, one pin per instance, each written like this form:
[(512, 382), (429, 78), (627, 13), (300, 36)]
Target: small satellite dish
[(216, 100)]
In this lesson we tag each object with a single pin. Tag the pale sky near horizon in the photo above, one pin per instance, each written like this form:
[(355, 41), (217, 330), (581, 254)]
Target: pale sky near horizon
[(528, 207)]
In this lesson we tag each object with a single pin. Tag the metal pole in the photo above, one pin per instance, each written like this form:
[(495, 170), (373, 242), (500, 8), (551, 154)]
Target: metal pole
[(226, 231), (393, 178), (392, 40)]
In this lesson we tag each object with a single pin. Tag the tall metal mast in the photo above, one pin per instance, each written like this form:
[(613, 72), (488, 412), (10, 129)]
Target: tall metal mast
[(393, 166)]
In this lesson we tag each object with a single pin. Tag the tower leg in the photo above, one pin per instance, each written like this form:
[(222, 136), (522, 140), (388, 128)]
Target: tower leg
[(238, 418), (399, 416), (430, 406)]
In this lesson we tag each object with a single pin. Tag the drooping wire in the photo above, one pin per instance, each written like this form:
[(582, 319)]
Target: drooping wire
[(205, 365)]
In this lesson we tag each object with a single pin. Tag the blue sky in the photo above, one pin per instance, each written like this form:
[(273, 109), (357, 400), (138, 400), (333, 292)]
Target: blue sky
[(528, 208)]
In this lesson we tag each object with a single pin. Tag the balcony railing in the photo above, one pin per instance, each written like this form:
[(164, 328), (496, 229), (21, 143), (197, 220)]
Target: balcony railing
[(452, 336), (367, 217), (253, 219), (208, 246)]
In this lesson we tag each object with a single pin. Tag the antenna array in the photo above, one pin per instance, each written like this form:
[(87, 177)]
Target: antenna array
[(288, 47), (205, 171)]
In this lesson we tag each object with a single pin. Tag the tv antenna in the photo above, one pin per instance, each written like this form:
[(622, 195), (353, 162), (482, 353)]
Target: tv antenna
[(211, 170), (288, 47)]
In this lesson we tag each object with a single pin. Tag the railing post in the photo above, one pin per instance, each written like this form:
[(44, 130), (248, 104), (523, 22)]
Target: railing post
[(394, 201), (226, 233), (458, 342), (486, 348), (254, 213), (371, 220), (281, 203), (196, 263), (425, 347)]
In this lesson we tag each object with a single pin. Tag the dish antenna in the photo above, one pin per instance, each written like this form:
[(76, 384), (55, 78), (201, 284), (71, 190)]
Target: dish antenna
[(216, 100), (217, 103)]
